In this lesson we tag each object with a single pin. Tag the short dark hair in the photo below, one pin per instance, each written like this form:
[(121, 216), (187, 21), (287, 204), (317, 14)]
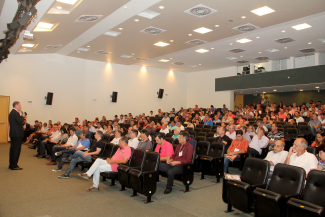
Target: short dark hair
[(146, 132), (56, 125), (73, 129), (124, 139), (239, 132), (100, 133), (185, 135), (160, 135), (63, 130), (85, 133), (135, 132), (15, 103)]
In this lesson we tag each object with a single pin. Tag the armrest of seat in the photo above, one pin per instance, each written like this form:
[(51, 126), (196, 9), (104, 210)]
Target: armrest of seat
[(287, 197), (237, 183), (266, 193), (258, 186), (206, 158), (300, 204)]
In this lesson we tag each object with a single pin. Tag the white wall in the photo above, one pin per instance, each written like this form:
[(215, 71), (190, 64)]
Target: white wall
[(76, 82), (201, 88)]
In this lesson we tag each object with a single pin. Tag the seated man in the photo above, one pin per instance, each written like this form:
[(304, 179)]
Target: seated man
[(245, 135), (298, 117), (176, 133), (278, 155), (133, 141), (222, 137), (299, 157), (260, 124), (216, 119), (274, 136), (180, 126), (164, 148), (165, 118), (207, 120), (258, 142), (238, 146), (78, 130), (82, 145), (121, 156), (231, 133), (145, 144), (53, 139), (183, 155), (79, 156), (172, 125), (266, 122), (164, 129), (314, 124), (117, 138)]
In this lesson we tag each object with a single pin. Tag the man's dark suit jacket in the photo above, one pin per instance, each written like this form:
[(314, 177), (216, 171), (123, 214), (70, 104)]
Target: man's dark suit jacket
[(16, 124)]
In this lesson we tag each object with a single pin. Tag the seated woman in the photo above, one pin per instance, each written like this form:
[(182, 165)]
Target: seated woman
[(319, 139), (321, 163), (251, 130)]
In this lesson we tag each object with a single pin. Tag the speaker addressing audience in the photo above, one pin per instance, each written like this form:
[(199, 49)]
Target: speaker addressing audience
[(16, 135)]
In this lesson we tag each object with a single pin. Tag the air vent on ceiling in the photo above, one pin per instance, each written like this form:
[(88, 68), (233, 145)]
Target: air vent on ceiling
[(284, 40), (178, 63), (102, 52), (246, 28), (307, 50), (112, 33), (196, 42), (192, 66), (231, 58), (242, 61), (152, 30), (83, 49), (141, 58), (126, 56), (53, 46), (88, 18), (148, 14), (261, 58), (200, 11), (237, 50)]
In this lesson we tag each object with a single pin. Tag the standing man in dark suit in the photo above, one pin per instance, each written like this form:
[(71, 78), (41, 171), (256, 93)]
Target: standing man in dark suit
[(16, 135)]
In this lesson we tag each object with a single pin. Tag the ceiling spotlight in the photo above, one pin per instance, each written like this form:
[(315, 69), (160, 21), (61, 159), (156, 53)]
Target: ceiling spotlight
[(243, 17), (216, 25), (59, 7), (164, 60), (257, 37), (136, 20), (189, 34), (161, 44), (88, 46), (263, 11), (202, 50), (241, 56), (309, 43), (202, 30), (230, 43), (243, 40), (316, 87), (283, 31), (301, 90), (120, 28), (264, 92), (200, 64), (285, 47), (301, 26), (171, 58), (259, 52), (212, 48), (274, 90), (78, 51), (171, 40), (133, 54), (161, 7)]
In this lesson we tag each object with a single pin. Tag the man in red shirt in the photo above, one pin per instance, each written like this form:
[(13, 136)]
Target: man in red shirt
[(121, 156), (183, 155)]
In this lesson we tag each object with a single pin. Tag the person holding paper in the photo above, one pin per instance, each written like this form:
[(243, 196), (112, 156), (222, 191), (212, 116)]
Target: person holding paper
[(238, 146)]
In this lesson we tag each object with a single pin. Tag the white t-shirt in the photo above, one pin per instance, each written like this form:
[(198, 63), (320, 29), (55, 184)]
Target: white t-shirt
[(72, 140), (276, 158), (165, 131), (307, 161), (300, 119), (259, 144), (115, 141), (133, 143), (232, 135)]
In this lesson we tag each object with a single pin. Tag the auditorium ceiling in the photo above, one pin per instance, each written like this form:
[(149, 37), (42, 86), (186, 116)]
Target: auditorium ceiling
[(126, 31)]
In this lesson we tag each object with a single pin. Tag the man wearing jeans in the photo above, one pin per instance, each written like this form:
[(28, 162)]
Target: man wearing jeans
[(238, 146), (80, 156), (121, 156)]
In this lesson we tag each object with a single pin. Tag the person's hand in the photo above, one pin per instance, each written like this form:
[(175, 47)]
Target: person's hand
[(23, 114), (291, 151), (224, 142), (85, 154), (172, 163), (271, 141), (108, 160)]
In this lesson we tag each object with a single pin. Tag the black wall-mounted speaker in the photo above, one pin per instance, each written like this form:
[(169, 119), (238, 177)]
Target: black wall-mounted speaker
[(161, 93), (114, 97), (49, 98)]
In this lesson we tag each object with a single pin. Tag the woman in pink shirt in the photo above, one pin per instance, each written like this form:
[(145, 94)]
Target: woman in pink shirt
[(164, 148), (320, 139)]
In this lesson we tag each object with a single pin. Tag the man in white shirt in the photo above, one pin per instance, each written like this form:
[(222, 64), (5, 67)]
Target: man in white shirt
[(258, 142), (121, 121), (99, 127), (231, 132), (180, 126), (165, 119), (278, 155), (298, 117), (299, 157), (164, 129), (91, 128), (133, 142), (117, 138), (151, 114)]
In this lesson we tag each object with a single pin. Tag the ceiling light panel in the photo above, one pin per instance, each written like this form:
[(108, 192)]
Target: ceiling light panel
[(200, 11), (148, 14), (28, 45), (164, 60), (243, 40), (203, 30), (301, 26), (161, 44), (112, 33), (70, 2), (126, 56), (263, 11), (45, 27), (202, 50)]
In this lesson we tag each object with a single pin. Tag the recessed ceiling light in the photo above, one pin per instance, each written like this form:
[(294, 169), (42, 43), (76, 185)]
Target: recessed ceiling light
[(264, 92), (136, 20), (301, 26), (263, 11), (216, 25), (200, 64), (241, 56), (317, 87), (148, 14), (230, 43), (59, 7), (28, 45), (301, 90), (259, 52), (112, 33), (45, 25), (171, 58), (309, 43), (88, 46), (202, 50), (161, 44), (283, 31), (212, 48), (171, 40), (243, 40), (161, 7), (202, 30), (164, 61), (78, 51), (257, 37), (189, 34), (120, 28), (70, 2), (243, 17), (285, 47), (274, 90), (132, 53)]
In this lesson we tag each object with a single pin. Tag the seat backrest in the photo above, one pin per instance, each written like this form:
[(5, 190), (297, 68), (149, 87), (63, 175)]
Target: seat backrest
[(200, 138), (202, 134), (202, 147), (193, 134), (137, 158), (103, 150), (106, 138), (169, 135), (303, 129), (199, 126), (217, 124), (314, 191), (198, 130), (188, 129), (207, 126), (255, 171), (214, 127), (206, 130), (312, 150), (175, 142), (111, 138), (151, 161), (290, 126), (169, 139), (211, 134), (211, 139), (129, 161), (216, 149), (193, 156), (115, 147), (108, 150), (302, 123), (287, 179), (290, 133)]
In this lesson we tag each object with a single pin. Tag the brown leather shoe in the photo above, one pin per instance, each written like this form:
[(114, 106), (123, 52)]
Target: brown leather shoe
[(51, 163)]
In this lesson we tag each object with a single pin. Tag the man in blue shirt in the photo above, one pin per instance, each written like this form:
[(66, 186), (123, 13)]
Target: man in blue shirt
[(207, 120), (224, 108), (82, 144)]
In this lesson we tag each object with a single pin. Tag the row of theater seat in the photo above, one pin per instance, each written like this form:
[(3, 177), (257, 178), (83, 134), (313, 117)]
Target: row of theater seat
[(286, 195)]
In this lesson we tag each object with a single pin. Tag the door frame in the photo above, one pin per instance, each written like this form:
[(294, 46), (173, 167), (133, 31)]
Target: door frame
[(8, 118)]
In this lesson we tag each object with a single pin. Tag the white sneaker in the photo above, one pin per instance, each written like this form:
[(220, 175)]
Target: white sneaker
[(56, 170)]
